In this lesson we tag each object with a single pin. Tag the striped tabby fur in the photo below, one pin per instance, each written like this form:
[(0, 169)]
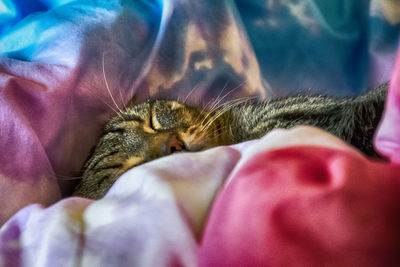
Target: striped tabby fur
[(156, 128)]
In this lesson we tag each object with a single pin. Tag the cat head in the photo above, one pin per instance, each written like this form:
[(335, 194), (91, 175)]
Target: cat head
[(144, 132), (160, 127)]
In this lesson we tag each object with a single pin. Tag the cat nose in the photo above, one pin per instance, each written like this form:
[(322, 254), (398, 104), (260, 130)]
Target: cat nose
[(174, 144)]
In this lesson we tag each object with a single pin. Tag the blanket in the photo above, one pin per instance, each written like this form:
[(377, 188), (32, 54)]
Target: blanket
[(297, 197)]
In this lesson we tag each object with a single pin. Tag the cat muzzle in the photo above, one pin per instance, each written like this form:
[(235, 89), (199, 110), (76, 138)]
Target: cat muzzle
[(173, 144)]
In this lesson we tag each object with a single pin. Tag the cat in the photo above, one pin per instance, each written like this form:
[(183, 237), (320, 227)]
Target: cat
[(155, 128)]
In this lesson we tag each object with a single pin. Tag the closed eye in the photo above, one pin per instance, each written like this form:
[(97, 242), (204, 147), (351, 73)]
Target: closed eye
[(120, 126), (114, 129), (153, 121), (131, 117)]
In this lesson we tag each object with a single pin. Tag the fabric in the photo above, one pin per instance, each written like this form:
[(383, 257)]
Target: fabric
[(387, 138), (307, 207), (67, 66)]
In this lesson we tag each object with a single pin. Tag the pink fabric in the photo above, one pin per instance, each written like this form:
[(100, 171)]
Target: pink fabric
[(306, 206), (298, 196)]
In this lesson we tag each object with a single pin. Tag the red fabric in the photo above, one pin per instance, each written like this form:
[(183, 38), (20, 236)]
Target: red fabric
[(326, 208)]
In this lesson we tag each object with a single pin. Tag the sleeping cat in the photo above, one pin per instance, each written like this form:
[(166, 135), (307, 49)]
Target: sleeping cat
[(156, 128)]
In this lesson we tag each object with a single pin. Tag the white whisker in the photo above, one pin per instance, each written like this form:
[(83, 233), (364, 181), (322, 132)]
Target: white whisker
[(219, 99), (122, 98), (226, 106), (190, 93), (215, 104), (230, 91), (108, 88), (102, 100)]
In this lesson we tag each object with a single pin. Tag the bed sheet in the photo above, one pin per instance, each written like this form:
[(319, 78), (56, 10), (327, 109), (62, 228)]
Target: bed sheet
[(67, 66)]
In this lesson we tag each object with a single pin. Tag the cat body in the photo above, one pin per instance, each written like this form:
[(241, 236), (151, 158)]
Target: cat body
[(156, 128)]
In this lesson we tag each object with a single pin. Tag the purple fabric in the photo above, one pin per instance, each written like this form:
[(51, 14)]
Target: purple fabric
[(388, 135)]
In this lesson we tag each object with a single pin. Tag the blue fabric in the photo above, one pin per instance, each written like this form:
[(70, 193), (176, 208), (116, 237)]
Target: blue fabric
[(13, 11), (329, 47)]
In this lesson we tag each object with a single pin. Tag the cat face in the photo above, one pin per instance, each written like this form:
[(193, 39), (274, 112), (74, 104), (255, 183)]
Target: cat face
[(158, 128), (144, 132)]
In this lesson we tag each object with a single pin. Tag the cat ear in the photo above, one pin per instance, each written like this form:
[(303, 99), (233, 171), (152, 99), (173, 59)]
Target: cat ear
[(132, 101)]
